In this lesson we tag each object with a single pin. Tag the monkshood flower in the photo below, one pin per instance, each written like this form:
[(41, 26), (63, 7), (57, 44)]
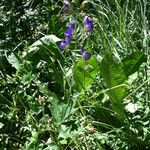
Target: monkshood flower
[(88, 24), (68, 33), (82, 50), (66, 6), (63, 45), (86, 55), (72, 25), (68, 40)]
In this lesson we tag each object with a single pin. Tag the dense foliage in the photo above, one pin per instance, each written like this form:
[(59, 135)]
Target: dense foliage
[(74, 74)]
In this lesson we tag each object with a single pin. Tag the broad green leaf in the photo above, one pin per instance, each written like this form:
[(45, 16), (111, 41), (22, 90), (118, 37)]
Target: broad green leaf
[(60, 110), (44, 48), (56, 110), (47, 40), (132, 62), (114, 76), (14, 61), (85, 73)]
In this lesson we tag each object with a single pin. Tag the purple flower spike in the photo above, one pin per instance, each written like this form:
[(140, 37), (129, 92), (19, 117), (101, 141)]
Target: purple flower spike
[(68, 33), (88, 24), (68, 36), (63, 45), (86, 55), (82, 50), (72, 25)]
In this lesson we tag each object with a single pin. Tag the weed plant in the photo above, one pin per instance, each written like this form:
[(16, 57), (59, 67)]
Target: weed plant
[(75, 75)]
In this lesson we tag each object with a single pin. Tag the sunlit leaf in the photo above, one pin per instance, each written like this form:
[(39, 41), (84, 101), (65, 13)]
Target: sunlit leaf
[(60, 110), (14, 61), (46, 47), (115, 79), (1, 125), (85, 73), (114, 76), (132, 62), (47, 40)]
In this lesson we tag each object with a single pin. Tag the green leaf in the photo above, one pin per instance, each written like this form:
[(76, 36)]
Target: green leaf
[(132, 62), (1, 125), (46, 49), (14, 61), (27, 78), (114, 76), (47, 40), (85, 73), (60, 110)]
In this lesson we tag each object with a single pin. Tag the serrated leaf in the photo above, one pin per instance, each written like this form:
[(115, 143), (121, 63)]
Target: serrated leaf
[(60, 110), (85, 73), (132, 62)]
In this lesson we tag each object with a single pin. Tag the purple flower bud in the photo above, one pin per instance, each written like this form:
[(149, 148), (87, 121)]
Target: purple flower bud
[(66, 6), (88, 24), (82, 50), (86, 55), (68, 40), (68, 33), (72, 25), (63, 45)]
